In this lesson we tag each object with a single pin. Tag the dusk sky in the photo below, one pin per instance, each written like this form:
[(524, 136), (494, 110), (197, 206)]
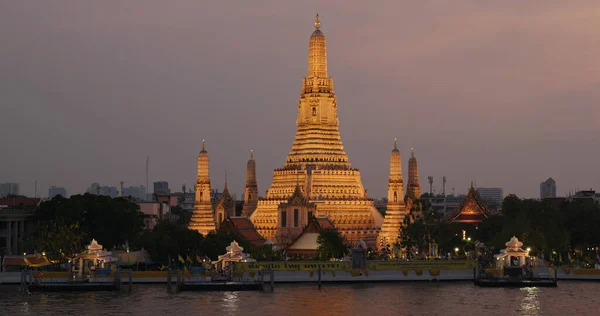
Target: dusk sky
[(504, 93)]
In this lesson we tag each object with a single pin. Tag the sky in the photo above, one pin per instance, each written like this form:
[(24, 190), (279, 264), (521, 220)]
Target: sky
[(500, 92)]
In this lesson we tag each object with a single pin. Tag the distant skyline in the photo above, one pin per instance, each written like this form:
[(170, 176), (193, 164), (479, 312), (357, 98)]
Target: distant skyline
[(504, 92)]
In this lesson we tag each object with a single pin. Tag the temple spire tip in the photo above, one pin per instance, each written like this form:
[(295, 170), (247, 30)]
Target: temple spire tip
[(395, 143), (317, 22), (203, 145)]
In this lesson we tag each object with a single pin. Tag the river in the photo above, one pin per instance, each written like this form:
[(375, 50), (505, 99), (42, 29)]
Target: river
[(424, 298)]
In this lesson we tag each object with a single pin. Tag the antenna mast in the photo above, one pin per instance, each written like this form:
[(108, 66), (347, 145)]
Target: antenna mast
[(147, 166), (430, 178)]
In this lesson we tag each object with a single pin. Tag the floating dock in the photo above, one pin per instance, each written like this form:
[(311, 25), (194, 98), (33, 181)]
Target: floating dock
[(72, 286), (221, 286), (516, 283)]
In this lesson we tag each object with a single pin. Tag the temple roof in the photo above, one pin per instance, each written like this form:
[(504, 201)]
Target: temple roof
[(307, 240), (471, 210), (244, 229)]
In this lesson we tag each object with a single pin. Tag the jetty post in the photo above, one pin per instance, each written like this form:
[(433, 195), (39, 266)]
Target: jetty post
[(319, 274)]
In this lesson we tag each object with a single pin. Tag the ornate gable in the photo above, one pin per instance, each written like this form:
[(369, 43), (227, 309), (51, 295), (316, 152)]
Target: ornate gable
[(472, 210)]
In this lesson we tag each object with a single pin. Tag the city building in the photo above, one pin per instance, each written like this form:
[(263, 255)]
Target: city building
[(472, 210), (493, 197), (548, 188), (251, 191), (138, 192), (54, 191), (203, 219), (98, 189), (8, 188), (585, 195), (396, 209), (444, 204), (153, 212), (161, 187), (15, 223), (317, 165)]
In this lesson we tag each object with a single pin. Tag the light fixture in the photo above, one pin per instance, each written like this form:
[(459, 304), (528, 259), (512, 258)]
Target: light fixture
[(43, 253), (528, 249), (469, 239), (24, 253), (456, 249)]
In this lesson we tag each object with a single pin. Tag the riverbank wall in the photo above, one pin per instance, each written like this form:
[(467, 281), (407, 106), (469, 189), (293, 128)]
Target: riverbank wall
[(327, 272)]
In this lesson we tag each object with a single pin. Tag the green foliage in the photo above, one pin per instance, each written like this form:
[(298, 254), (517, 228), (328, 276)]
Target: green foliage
[(184, 216), (171, 240), (331, 244), (420, 227), (65, 225)]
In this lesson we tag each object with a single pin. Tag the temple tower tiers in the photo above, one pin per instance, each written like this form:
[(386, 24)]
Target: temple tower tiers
[(395, 211), (225, 206), (317, 163), (413, 190), (251, 191), (202, 216)]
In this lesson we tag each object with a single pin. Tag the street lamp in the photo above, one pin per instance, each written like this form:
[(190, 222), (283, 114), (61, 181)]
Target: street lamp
[(456, 249)]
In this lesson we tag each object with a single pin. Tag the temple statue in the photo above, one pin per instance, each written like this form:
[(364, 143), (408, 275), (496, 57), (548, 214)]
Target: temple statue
[(251, 191), (225, 207), (203, 219), (318, 164), (395, 211)]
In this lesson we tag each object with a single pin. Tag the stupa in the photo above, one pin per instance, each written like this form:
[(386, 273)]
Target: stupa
[(318, 165)]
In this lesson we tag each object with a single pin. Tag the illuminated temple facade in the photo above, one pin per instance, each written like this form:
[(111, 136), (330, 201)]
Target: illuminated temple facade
[(317, 178), (395, 210), (203, 219)]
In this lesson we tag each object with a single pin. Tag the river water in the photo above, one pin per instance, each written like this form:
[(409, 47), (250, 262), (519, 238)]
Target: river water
[(424, 298)]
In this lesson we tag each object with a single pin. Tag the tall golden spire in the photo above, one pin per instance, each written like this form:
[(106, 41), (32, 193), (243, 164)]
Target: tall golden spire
[(317, 53)]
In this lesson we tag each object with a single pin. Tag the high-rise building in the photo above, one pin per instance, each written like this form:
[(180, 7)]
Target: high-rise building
[(251, 191), (8, 188), (548, 188), (203, 219), (137, 192), (395, 211), (98, 189), (492, 196), (161, 187), (54, 191), (318, 165)]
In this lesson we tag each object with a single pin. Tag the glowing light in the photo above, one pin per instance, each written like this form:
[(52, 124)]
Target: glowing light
[(469, 239), (456, 249), (528, 249)]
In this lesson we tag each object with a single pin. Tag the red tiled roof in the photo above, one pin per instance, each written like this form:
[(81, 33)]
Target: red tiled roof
[(17, 201), (242, 227)]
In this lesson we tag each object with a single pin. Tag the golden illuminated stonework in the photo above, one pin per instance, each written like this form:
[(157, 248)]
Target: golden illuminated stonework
[(203, 219), (318, 166), (395, 211)]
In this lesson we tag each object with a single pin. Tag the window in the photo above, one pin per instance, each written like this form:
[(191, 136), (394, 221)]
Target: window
[(295, 217), (283, 219), (249, 197), (314, 111), (395, 197), (310, 215), (200, 196), (220, 218)]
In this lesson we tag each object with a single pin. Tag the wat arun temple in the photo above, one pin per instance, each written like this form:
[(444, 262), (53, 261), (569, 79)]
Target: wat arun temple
[(317, 179)]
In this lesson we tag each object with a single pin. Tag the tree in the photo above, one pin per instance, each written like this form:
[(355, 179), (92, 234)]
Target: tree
[(65, 225), (183, 216), (420, 227), (331, 244)]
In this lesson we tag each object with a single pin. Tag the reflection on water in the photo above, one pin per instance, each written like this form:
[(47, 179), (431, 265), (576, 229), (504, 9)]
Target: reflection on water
[(530, 304), (570, 298)]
